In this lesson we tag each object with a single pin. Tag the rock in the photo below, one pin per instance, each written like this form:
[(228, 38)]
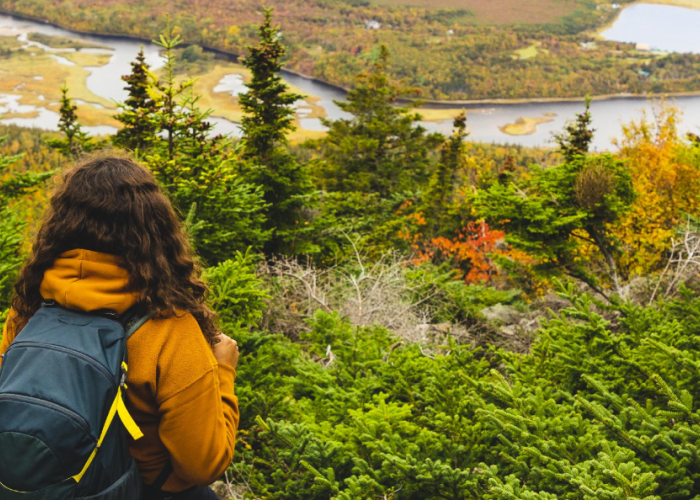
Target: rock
[(502, 314), (221, 490), (509, 330), (555, 302)]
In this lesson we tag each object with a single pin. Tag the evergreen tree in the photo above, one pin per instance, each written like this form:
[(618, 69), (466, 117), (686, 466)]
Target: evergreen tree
[(201, 171), (269, 116), (440, 193), (551, 213), (76, 140), (505, 173), (578, 135), (381, 149), (12, 226), (268, 102), (137, 111)]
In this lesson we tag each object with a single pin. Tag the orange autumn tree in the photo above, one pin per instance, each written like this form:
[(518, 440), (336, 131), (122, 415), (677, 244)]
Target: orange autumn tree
[(667, 180), (474, 251)]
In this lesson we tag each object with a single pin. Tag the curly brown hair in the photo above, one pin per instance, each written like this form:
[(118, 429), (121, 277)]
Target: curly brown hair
[(110, 203)]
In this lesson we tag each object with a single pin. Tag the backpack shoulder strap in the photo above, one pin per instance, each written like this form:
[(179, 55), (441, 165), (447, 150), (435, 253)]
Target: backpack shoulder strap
[(133, 319)]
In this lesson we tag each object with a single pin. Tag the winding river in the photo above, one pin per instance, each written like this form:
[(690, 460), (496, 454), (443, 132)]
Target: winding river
[(484, 120)]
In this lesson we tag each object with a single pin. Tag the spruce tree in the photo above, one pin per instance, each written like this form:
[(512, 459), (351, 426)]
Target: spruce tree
[(440, 193), (577, 135), (552, 213), (76, 140), (269, 116), (136, 112), (201, 171), (381, 149), (12, 226), (268, 102)]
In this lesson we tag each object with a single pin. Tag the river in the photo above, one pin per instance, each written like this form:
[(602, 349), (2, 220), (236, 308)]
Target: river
[(483, 120)]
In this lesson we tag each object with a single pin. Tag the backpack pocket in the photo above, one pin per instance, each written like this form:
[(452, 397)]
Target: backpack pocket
[(61, 491), (41, 445), (128, 486)]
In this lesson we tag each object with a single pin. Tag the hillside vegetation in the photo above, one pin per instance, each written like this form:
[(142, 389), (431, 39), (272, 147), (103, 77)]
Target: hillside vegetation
[(500, 11), (421, 317), (456, 53)]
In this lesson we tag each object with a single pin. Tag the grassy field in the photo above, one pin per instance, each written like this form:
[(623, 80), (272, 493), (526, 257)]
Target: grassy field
[(500, 11), (37, 77), (224, 105)]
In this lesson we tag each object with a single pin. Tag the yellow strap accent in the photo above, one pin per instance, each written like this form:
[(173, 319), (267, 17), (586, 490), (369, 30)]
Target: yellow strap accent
[(117, 408), (127, 420)]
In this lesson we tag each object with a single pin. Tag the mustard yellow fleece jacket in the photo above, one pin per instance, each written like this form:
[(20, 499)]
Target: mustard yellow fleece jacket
[(180, 397)]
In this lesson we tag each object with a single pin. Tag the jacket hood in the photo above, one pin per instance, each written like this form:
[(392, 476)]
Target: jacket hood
[(88, 281)]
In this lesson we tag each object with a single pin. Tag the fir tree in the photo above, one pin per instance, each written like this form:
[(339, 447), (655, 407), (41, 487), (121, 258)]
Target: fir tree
[(76, 140), (269, 116), (137, 111), (168, 116), (578, 135), (440, 193), (12, 227), (552, 212), (381, 149), (268, 102), (505, 173), (201, 171)]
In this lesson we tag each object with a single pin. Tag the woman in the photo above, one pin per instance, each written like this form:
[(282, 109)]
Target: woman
[(111, 239)]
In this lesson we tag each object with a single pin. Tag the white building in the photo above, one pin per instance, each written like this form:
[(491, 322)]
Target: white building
[(372, 24)]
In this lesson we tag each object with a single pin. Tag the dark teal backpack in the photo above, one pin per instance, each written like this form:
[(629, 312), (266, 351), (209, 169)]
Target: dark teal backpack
[(63, 422)]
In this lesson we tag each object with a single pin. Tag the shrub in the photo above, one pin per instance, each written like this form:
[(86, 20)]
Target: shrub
[(605, 406)]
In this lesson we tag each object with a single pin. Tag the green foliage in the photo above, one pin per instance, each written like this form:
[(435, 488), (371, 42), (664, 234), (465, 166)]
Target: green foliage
[(552, 213), (236, 293), (597, 410), (577, 135), (135, 114), (201, 172), (12, 187), (381, 149), (439, 196), (451, 299), (76, 140), (285, 182)]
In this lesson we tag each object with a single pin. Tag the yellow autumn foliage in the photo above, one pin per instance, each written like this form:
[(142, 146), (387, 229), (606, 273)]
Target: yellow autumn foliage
[(668, 186)]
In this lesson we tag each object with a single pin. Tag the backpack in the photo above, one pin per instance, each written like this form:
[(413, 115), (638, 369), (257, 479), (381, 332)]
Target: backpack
[(63, 421)]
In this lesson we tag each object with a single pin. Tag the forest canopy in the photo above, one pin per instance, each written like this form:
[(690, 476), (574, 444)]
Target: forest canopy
[(501, 49)]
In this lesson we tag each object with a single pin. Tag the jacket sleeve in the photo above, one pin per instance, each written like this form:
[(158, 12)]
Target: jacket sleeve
[(8, 334), (198, 426)]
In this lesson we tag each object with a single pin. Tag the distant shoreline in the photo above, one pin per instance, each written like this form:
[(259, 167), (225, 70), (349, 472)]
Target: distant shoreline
[(438, 104), (427, 103)]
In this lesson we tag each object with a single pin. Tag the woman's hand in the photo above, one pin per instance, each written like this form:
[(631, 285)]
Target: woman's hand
[(226, 350)]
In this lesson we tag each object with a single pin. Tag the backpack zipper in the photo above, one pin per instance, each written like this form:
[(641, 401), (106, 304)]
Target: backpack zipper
[(77, 418), (72, 352)]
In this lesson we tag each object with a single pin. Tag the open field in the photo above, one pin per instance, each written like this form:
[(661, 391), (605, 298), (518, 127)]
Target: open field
[(500, 11), (36, 76)]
